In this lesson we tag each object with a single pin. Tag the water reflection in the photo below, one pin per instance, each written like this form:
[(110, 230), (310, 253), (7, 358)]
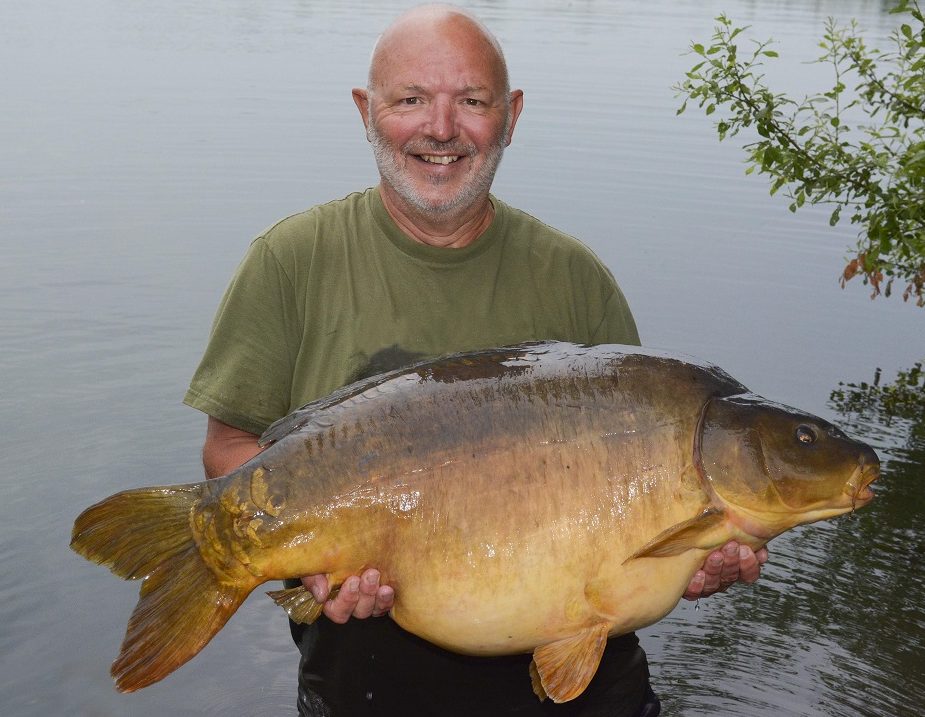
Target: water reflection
[(890, 414)]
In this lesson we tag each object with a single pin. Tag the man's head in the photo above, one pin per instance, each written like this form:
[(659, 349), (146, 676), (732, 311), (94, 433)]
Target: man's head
[(438, 110)]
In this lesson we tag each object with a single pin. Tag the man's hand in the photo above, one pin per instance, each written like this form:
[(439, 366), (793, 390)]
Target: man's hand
[(360, 597), (734, 563)]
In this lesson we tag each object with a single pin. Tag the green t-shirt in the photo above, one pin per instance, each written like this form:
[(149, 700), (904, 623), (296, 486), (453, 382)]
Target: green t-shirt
[(339, 292)]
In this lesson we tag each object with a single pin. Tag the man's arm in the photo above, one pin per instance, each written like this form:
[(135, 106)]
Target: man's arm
[(227, 447)]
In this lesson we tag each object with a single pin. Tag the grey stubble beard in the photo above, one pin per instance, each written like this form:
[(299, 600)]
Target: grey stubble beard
[(394, 175)]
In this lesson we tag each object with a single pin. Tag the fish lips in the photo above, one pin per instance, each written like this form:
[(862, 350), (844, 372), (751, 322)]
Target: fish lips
[(858, 486)]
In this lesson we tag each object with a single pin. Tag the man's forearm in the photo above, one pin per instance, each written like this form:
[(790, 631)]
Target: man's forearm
[(226, 448)]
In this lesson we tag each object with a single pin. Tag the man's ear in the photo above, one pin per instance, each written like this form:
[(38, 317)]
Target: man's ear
[(361, 100), (517, 104)]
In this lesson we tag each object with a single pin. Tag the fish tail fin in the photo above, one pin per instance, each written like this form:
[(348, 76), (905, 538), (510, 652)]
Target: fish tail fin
[(146, 533)]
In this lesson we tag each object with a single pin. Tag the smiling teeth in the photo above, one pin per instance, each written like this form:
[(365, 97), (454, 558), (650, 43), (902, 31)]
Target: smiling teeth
[(435, 159)]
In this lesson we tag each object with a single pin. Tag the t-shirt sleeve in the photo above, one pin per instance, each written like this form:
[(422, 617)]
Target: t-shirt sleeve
[(245, 376), (609, 319), (617, 325)]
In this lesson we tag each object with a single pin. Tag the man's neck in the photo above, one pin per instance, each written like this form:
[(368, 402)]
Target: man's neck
[(453, 230)]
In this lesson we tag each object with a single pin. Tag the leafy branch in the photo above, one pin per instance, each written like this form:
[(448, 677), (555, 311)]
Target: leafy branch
[(874, 171)]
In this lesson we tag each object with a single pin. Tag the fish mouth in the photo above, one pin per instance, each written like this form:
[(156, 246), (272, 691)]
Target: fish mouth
[(858, 485)]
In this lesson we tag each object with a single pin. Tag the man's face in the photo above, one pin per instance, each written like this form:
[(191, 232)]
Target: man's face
[(439, 118)]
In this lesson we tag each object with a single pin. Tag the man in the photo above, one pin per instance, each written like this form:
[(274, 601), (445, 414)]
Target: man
[(425, 264)]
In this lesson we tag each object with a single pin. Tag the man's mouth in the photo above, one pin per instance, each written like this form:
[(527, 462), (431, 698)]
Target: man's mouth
[(440, 158)]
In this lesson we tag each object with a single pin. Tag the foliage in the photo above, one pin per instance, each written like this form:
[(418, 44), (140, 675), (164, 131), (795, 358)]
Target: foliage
[(875, 171)]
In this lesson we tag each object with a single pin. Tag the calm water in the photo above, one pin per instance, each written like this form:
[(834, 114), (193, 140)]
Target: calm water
[(142, 145)]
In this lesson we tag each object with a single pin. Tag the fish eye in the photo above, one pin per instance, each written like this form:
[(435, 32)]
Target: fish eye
[(805, 434)]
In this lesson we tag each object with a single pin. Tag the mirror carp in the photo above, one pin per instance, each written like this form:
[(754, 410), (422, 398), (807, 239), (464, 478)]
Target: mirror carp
[(594, 478)]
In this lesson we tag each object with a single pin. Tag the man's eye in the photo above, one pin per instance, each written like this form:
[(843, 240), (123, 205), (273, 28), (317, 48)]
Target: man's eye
[(472, 102), (411, 100)]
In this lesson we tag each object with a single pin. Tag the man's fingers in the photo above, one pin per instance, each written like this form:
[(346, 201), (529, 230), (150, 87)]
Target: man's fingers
[(734, 563), (317, 585), (341, 607), (712, 570), (385, 598), (695, 587), (749, 566), (360, 597), (366, 597), (730, 571)]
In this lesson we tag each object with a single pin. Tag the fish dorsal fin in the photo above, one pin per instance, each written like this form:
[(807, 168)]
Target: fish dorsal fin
[(707, 531), (562, 670), (299, 603)]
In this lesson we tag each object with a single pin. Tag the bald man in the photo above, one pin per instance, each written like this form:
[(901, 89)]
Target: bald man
[(426, 263)]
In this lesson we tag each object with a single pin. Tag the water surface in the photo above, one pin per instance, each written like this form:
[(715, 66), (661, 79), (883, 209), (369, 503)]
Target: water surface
[(143, 145)]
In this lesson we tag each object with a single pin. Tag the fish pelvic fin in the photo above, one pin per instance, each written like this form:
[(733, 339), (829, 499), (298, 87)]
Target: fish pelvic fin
[(706, 531), (300, 604), (563, 669), (146, 534)]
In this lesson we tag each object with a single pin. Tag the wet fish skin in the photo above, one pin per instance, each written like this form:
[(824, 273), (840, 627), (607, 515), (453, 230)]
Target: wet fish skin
[(595, 479)]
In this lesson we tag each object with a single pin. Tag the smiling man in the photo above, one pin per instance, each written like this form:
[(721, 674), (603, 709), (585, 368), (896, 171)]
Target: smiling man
[(427, 263), (439, 127)]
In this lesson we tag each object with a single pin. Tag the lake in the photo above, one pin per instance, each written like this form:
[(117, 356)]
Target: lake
[(143, 145)]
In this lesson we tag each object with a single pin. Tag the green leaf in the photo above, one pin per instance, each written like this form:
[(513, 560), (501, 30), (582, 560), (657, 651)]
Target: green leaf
[(698, 48), (770, 53), (907, 31), (711, 109)]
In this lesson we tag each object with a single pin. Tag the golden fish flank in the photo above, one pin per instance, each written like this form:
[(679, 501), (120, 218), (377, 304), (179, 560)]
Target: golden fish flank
[(610, 471)]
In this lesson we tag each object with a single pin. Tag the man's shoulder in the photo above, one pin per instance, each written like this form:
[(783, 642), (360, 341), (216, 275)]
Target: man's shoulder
[(524, 228), (324, 219)]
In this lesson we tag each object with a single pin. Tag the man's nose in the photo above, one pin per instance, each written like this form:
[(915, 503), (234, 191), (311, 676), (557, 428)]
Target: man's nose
[(442, 120)]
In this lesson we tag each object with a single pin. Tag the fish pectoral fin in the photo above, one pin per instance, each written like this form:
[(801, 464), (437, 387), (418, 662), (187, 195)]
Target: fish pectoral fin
[(562, 670), (707, 530), (300, 604)]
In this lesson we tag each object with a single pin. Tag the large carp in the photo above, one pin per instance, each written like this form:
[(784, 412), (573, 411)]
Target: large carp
[(596, 479)]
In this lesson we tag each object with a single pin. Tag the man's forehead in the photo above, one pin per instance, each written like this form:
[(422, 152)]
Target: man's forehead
[(455, 74), (435, 42), (427, 88)]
